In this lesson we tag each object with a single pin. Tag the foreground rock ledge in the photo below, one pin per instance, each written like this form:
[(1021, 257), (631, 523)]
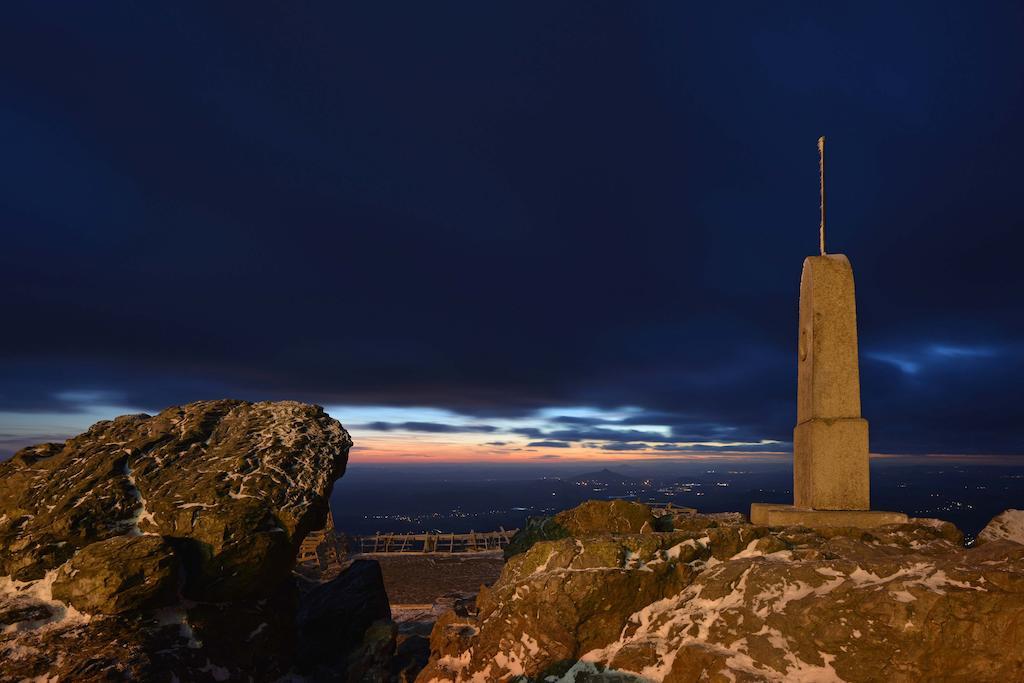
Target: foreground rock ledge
[(161, 547), (712, 597)]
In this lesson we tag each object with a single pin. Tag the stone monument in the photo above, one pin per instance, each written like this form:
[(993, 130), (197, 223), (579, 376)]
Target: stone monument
[(830, 440)]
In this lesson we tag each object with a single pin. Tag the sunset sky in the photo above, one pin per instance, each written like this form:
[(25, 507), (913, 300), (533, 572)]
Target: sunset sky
[(473, 233)]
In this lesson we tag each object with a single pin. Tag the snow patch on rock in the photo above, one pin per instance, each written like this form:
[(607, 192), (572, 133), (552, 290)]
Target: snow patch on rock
[(19, 595), (141, 514), (1007, 526)]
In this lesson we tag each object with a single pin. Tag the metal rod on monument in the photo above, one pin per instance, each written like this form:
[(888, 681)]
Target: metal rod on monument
[(821, 190)]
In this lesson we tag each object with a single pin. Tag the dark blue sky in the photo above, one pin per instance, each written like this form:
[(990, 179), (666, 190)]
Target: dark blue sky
[(493, 209)]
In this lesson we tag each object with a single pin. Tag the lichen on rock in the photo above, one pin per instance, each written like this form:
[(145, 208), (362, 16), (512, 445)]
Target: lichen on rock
[(615, 516)]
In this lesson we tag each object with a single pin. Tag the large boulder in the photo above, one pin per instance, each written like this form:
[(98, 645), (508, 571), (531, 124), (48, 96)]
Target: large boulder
[(236, 485), (607, 516), (328, 643), (593, 516), (119, 574), (721, 599), (161, 547)]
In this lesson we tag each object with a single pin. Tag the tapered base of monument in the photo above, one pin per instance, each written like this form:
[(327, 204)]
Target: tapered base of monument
[(775, 514)]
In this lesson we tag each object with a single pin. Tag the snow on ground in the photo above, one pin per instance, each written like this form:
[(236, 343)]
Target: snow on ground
[(16, 595), (178, 614), (141, 514), (671, 624)]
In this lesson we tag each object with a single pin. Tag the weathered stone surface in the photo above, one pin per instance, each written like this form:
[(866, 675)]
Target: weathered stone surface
[(335, 617), (535, 530), (727, 600), (828, 372), (94, 533), (224, 479), (1008, 526), (830, 440), (787, 515), (830, 464), (120, 574), (617, 516)]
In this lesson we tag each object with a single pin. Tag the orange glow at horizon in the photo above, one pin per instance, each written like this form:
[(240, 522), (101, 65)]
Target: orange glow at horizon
[(445, 448), (455, 448)]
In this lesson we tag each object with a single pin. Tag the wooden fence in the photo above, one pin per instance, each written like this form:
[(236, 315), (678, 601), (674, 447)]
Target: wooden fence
[(474, 541)]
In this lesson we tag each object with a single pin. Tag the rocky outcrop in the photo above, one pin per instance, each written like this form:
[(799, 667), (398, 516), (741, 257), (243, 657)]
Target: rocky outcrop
[(120, 574), (613, 516), (328, 644), (154, 547), (235, 485), (717, 598), (1007, 526), (618, 516)]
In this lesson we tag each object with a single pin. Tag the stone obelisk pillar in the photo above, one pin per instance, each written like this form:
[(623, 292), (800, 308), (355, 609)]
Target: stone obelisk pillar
[(830, 441)]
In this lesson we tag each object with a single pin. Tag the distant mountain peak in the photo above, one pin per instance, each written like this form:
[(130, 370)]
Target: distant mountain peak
[(604, 475)]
